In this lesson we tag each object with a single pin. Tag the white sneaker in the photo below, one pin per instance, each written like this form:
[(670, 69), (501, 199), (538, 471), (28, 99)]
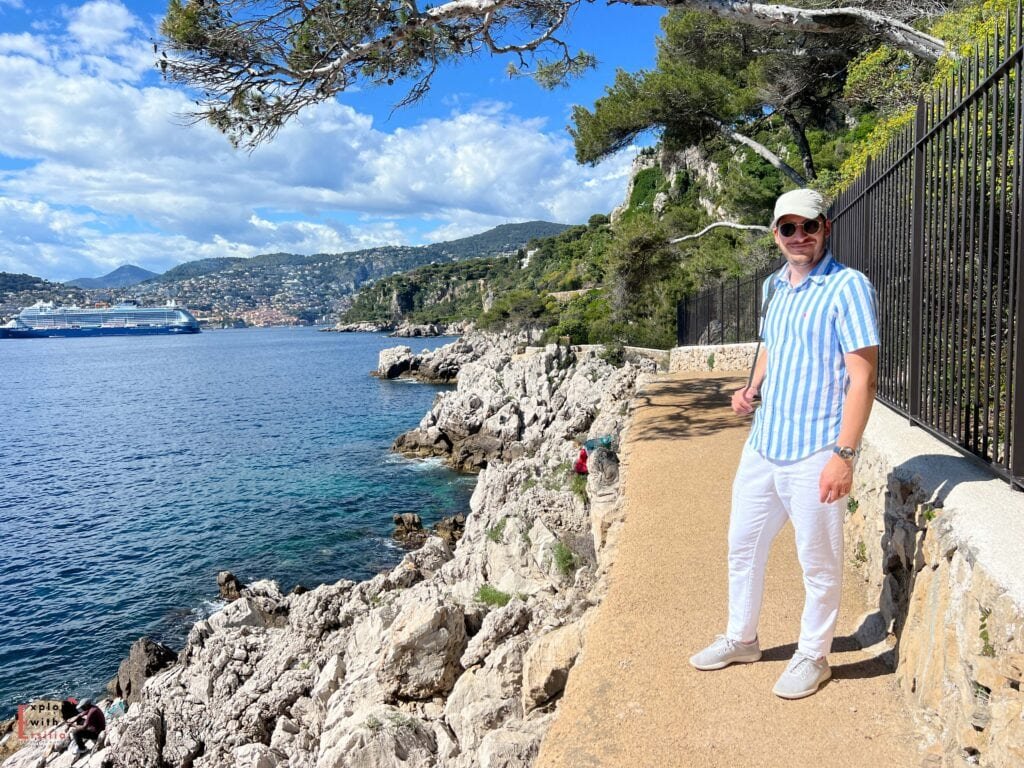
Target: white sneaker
[(803, 676), (725, 651)]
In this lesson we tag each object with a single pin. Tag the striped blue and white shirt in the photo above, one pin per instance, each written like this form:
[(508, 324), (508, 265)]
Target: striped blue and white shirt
[(807, 331)]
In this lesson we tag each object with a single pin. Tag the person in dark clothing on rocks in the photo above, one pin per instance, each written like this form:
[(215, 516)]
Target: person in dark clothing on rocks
[(88, 725)]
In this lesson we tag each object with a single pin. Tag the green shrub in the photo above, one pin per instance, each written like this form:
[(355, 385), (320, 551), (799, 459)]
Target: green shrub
[(613, 353), (851, 505), (579, 486), (492, 596), (495, 533), (861, 556), (986, 644), (564, 559)]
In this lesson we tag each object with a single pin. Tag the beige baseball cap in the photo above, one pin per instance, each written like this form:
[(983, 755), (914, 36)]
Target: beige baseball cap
[(799, 202)]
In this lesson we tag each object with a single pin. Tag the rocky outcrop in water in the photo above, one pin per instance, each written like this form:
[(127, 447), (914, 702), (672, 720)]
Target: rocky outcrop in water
[(145, 658), (453, 658), (440, 366), (365, 327)]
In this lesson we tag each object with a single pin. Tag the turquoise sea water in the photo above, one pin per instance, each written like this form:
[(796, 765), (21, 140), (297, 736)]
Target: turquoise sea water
[(133, 469)]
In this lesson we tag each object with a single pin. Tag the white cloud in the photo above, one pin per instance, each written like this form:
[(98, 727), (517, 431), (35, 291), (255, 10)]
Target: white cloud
[(24, 44), (112, 174), (99, 24)]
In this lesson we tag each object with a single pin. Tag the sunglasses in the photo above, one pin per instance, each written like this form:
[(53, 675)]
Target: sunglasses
[(809, 226)]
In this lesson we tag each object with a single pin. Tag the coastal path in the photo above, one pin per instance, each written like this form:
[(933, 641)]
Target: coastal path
[(633, 700)]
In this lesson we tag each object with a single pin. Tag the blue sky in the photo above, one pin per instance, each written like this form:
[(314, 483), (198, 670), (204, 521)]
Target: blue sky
[(98, 168)]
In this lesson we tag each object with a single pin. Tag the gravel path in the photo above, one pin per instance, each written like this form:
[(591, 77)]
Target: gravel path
[(633, 700)]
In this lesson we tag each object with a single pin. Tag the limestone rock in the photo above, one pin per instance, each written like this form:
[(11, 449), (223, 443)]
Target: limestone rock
[(486, 698), (256, 756), (409, 330), (393, 362), (140, 745), (365, 327), (409, 530), (547, 664), (229, 586), (244, 612), (512, 747), (497, 626), (145, 658), (450, 528), (379, 736), (426, 640)]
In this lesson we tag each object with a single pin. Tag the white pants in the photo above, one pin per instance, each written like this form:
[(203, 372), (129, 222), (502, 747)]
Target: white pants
[(765, 494)]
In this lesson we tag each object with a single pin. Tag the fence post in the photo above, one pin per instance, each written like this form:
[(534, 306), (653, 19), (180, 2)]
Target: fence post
[(721, 312), (865, 215), (914, 351), (681, 323), (1016, 457)]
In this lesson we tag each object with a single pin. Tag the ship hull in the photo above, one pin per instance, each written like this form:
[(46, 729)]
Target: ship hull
[(59, 333)]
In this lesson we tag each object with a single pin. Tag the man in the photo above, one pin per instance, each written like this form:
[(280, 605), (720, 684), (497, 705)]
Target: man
[(89, 723), (816, 379)]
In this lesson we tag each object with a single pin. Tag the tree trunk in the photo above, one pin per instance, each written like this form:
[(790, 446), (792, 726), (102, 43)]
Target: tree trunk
[(797, 130), (759, 149), (823, 21)]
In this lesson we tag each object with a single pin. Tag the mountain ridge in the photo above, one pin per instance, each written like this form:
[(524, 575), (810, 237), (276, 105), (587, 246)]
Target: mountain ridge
[(124, 276)]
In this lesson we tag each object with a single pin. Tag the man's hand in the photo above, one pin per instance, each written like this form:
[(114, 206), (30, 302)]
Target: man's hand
[(743, 400), (836, 480)]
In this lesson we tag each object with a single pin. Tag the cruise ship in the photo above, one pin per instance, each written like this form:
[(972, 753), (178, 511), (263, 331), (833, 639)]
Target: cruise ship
[(44, 320)]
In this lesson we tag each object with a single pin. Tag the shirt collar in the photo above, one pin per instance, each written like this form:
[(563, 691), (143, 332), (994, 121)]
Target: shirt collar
[(816, 275)]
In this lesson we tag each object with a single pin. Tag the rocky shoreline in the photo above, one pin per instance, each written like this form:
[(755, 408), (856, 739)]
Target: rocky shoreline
[(456, 657), (404, 330)]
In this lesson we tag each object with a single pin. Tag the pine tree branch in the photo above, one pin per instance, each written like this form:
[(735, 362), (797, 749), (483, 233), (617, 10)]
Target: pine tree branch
[(709, 227)]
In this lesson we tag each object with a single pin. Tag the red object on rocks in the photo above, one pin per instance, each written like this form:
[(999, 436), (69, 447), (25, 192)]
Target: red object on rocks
[(580, 465)]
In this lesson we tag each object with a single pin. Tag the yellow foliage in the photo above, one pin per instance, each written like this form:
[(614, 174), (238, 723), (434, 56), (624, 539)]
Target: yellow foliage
[(885, 70)]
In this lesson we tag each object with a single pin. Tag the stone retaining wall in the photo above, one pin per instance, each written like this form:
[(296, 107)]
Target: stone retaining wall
[(939, 544), (713, 357)]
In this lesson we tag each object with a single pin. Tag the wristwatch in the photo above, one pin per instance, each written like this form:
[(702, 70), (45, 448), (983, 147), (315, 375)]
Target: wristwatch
[(845, 453)]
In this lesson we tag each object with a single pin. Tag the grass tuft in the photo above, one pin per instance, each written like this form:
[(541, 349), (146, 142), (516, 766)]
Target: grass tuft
[(492, 596)]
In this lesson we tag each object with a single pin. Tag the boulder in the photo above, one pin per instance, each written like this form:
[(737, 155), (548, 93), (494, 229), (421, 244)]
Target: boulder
[(497, 626), (141, 743), (422, 563), (244, 612), (257, 756), (450, 529), (409, 530), (547, 664), (146, 657), (377, 736), (393, 362), (230, 588), (422, 442), (408, 330), (476, 452), (513, 746), (423, 649)]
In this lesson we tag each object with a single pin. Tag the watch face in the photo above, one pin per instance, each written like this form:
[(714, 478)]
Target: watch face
[(846, 453)]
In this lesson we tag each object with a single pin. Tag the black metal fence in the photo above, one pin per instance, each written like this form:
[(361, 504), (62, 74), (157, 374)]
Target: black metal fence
[(935, 223), (725, 314)]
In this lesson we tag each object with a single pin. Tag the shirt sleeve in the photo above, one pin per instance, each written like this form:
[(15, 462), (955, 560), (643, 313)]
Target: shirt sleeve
[(857, 320)]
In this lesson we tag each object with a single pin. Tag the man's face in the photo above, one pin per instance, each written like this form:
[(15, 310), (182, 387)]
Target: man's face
[(801, 249)]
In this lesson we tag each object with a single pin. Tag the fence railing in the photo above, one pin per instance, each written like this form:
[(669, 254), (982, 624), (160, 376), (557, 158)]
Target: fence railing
[(725, 314), (935, 223)]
